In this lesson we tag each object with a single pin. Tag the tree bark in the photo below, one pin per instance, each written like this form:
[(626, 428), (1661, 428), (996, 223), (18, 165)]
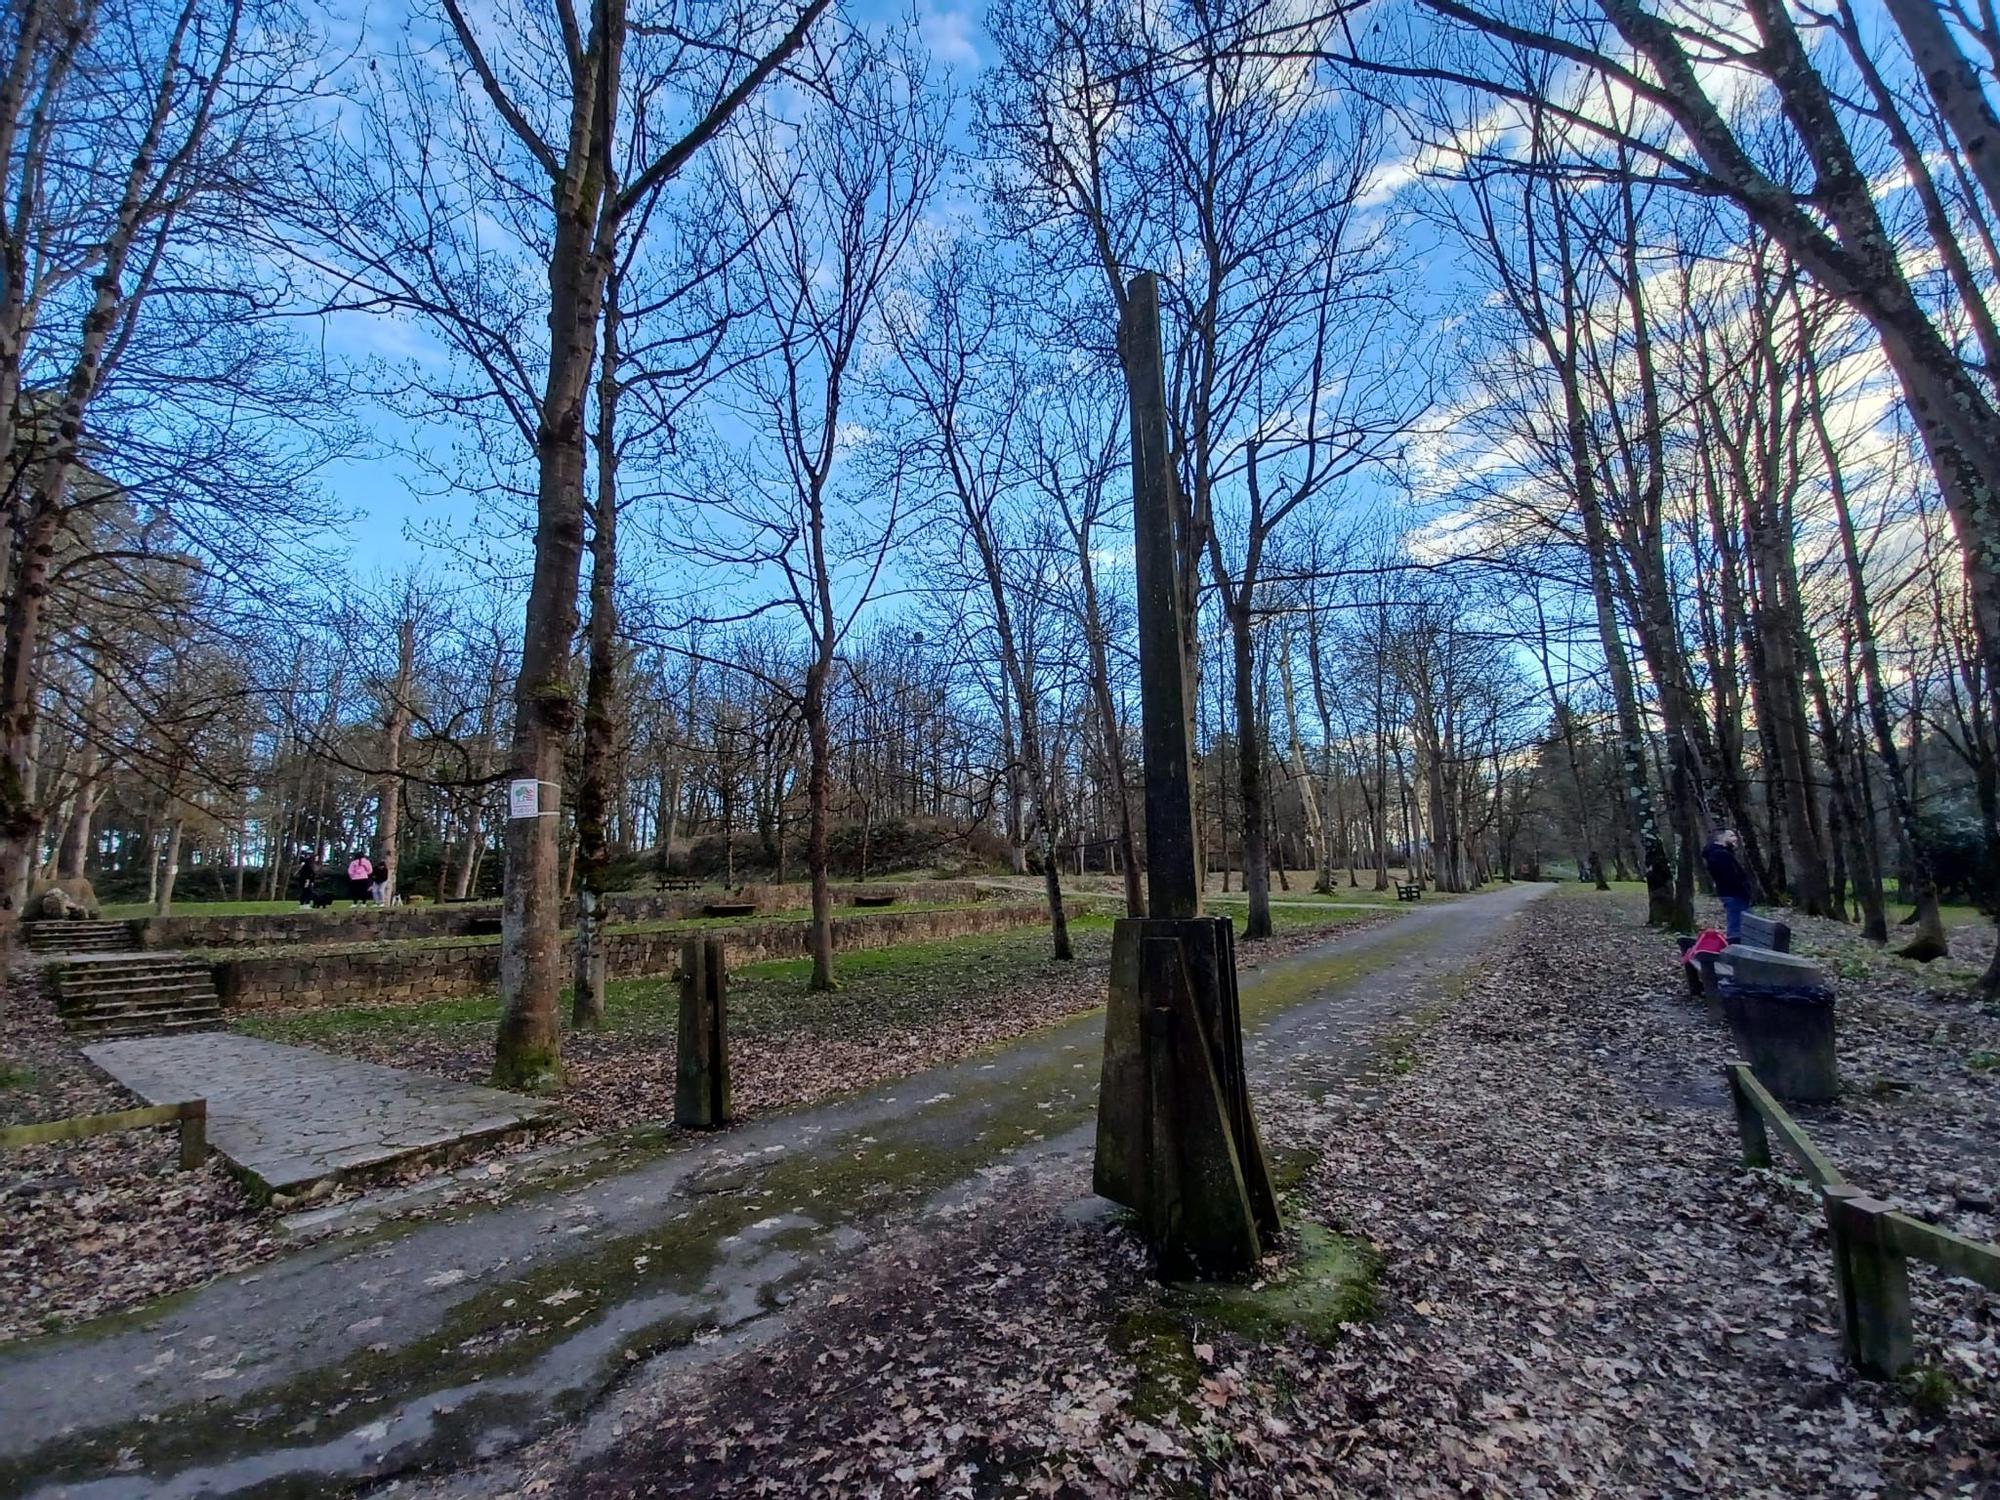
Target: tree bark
[(593, 844), (819, 797), (395, 726)]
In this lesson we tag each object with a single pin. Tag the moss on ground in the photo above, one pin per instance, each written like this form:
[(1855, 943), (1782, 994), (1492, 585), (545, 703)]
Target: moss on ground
[(1327, 1280), (1160, 1345)]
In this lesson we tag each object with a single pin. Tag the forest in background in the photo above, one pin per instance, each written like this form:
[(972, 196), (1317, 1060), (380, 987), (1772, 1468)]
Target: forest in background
[(1585, 428)]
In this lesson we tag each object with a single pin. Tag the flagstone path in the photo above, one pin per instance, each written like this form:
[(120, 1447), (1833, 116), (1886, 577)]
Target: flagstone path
[(291, 1117)]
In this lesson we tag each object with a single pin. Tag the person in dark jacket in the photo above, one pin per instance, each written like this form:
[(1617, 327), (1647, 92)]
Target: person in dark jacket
[(306, 878), (1725, 869)]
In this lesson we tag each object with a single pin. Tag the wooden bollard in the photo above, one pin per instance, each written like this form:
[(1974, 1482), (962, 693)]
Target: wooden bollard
[(701, 1084), (1872, 1278), (194, 1134), (1749, 1123)]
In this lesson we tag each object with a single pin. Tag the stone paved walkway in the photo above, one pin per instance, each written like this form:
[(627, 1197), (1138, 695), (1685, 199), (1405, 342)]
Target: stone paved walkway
[(291, 1116)]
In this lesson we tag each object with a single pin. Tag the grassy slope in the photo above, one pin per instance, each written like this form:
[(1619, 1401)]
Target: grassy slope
[(880, 988)]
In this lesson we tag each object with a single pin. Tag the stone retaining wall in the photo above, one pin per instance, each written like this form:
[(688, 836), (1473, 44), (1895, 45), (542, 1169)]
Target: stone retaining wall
[(445, 970), (372, 924)]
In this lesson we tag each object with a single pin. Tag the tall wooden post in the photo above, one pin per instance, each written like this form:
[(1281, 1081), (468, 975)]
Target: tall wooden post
[(1176, 1137), (1173, 884)]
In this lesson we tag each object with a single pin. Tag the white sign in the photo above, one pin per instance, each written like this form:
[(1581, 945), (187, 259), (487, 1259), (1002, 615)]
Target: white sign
[(524, 799)]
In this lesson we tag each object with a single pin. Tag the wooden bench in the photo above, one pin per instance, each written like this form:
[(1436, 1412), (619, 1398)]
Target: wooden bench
[(1409, 890), (1787, 1038), (1762, 932), (729, 909), (1756, 936)]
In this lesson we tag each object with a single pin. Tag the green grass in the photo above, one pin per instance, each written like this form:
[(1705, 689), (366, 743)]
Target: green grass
[(881, 988), (1288, 919), (333, 948), (14, 1076), (123, 910), (787, 914)]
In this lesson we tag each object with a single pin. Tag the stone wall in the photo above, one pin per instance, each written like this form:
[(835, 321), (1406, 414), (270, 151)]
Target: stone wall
[(439, 971), (373, 924)]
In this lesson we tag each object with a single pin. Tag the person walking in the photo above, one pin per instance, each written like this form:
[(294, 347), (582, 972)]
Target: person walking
[(1732, 884), (306, 878), (378, 883), (360, 874)]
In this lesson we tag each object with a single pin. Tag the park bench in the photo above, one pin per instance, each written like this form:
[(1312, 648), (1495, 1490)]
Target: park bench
[(729, 909), (1778, 1007), (876, 898), (1409, 890)]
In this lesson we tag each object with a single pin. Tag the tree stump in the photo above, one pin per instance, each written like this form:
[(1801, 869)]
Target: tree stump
[(701, 1083)]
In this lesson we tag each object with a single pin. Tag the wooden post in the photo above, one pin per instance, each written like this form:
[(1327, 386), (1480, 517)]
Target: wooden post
[(701, 1081), (194, 1134), (1177, 1139), (718, 1031), (1872, 1278), (1173, 884), (1198, 1211), (1749, 1123)]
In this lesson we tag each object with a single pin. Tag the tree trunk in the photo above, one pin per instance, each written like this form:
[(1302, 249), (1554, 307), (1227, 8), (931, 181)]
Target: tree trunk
[(1928, 941), (73, 855), (593, 845), (819, 796), (1250, 769), (1309, 796), (395, 725), (163, 905)]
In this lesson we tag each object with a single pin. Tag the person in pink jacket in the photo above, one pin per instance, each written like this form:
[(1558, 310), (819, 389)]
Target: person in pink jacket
[(360, 872)]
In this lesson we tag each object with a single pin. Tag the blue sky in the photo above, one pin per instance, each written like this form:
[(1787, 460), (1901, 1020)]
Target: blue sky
[(392, 501)]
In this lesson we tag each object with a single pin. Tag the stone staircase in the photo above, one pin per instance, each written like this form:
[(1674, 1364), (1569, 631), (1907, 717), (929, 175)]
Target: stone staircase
[(78, 937), (135, 994)]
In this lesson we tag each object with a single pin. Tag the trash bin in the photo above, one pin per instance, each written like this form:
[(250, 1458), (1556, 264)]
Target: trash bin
[(1786, 1035)]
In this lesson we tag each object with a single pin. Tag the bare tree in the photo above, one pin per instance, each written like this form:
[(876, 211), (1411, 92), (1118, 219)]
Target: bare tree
[(831, 202)]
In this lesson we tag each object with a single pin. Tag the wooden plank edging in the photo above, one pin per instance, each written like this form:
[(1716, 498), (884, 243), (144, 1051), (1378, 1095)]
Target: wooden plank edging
[(1754, 1104), (1873, 1244), (190, 1115)]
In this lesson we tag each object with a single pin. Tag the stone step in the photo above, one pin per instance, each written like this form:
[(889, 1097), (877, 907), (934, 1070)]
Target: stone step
[(145, 1013), (152, 1028), (98, 1005), (129, 969), (143, 994), (67, 932), (111, 995), (110, 943), (137, 1004), (75, 981)]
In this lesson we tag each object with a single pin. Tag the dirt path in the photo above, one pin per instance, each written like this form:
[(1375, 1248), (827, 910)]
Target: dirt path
[(466, 1335)]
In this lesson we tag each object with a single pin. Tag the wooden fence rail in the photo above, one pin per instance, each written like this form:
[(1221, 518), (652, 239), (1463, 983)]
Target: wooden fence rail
[(191, 1116), (1873, 1244)]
